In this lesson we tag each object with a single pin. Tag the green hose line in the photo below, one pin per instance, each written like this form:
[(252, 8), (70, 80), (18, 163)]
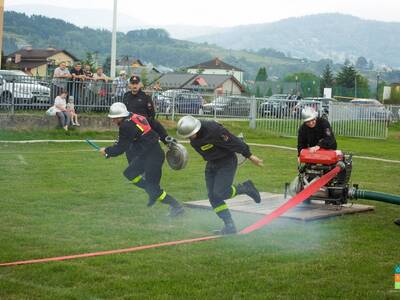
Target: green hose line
[(383, 197)]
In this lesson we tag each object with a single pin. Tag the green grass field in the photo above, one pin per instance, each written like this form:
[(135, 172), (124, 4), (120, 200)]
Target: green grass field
[(63, 199)]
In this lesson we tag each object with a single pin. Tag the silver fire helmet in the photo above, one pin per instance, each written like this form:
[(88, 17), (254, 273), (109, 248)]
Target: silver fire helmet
[(188, 126), (118, 110), (308, 114)]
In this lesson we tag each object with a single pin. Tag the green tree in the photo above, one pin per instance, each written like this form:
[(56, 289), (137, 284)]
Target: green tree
[(350, 83), (346, 77), (269, 92), (362, 87), (306, 83), (327, 77), (90, 60), (262, 74)]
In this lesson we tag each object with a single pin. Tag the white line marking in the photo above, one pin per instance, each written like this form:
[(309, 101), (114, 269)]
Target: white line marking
[(185, 142)]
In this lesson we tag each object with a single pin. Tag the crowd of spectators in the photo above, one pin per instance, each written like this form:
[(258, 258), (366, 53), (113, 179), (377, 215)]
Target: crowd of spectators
[(87, 87), (78, 87)]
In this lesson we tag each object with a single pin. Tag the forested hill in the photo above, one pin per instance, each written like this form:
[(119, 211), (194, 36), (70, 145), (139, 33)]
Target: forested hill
[(151, 45)]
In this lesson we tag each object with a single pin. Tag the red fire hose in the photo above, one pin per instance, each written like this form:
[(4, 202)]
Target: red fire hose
[(303, 195), (292, 202)]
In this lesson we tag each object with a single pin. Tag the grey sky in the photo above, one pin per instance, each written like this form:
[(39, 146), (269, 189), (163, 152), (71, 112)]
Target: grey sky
[(229, 12)]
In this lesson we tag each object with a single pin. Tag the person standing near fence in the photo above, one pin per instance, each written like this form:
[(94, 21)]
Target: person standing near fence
[(219, 147), (119, 86), (75, 86), (139, 102), (60, 79), (101, 86)]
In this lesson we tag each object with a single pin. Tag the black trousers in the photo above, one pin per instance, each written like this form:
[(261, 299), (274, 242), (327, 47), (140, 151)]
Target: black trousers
[(145, 171), (219, 176)]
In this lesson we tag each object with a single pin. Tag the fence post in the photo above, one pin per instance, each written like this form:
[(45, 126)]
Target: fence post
[(215, 107), (253, 112), (173, 107), (12, 96)]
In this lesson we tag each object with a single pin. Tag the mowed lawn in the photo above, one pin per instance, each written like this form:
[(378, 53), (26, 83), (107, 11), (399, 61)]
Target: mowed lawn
[(64, 199)]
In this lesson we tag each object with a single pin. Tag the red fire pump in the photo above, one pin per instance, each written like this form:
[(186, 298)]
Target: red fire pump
[(313, 165)]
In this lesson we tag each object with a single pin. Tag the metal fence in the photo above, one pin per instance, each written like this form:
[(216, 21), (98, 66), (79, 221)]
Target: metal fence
[(357, 120), (275, 114), (25, 92)]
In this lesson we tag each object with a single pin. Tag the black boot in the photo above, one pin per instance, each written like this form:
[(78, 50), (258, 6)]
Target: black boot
[(250, 190), (397, 222), (229, 228)]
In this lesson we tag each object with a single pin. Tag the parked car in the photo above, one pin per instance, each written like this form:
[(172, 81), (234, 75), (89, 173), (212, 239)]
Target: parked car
[(280, 96), (17, 86), (185, 101), (372, 109), (273, 108), (325, 103), (229, 106), (317, 105), (189, 103)]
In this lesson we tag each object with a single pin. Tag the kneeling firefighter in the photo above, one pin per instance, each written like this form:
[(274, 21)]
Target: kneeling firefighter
[(218, 147), (144, 154)]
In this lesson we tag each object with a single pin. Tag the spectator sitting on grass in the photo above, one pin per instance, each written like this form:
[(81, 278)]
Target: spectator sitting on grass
[(71, 109), (62, 113)]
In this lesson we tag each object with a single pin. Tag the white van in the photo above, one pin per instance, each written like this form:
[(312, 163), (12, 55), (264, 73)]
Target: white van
[(18, 87)]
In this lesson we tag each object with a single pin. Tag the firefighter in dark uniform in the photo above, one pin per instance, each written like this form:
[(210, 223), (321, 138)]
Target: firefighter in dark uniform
[(140, 103), (315, 133), (219, 147), (144, 154)]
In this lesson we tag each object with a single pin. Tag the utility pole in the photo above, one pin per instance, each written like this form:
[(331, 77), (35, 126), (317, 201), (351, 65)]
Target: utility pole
[(114, 41), (1, 29), (377, 86)]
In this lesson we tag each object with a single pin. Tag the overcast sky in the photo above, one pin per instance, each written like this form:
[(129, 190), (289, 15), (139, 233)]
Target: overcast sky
[(224, 13)]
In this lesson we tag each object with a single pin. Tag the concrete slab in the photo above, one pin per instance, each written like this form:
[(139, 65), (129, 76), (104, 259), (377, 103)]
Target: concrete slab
[(269, 202)]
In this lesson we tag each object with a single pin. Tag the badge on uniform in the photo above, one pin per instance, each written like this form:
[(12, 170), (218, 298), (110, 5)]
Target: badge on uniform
[(328, 132), (225, 138)]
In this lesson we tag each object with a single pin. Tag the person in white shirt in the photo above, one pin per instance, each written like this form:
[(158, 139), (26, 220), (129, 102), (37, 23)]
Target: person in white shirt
[(62, 113)]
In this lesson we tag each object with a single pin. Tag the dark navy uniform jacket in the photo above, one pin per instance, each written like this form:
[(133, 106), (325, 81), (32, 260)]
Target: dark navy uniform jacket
[(214, 142), (321, 135), (140, 103), (134, 137)]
